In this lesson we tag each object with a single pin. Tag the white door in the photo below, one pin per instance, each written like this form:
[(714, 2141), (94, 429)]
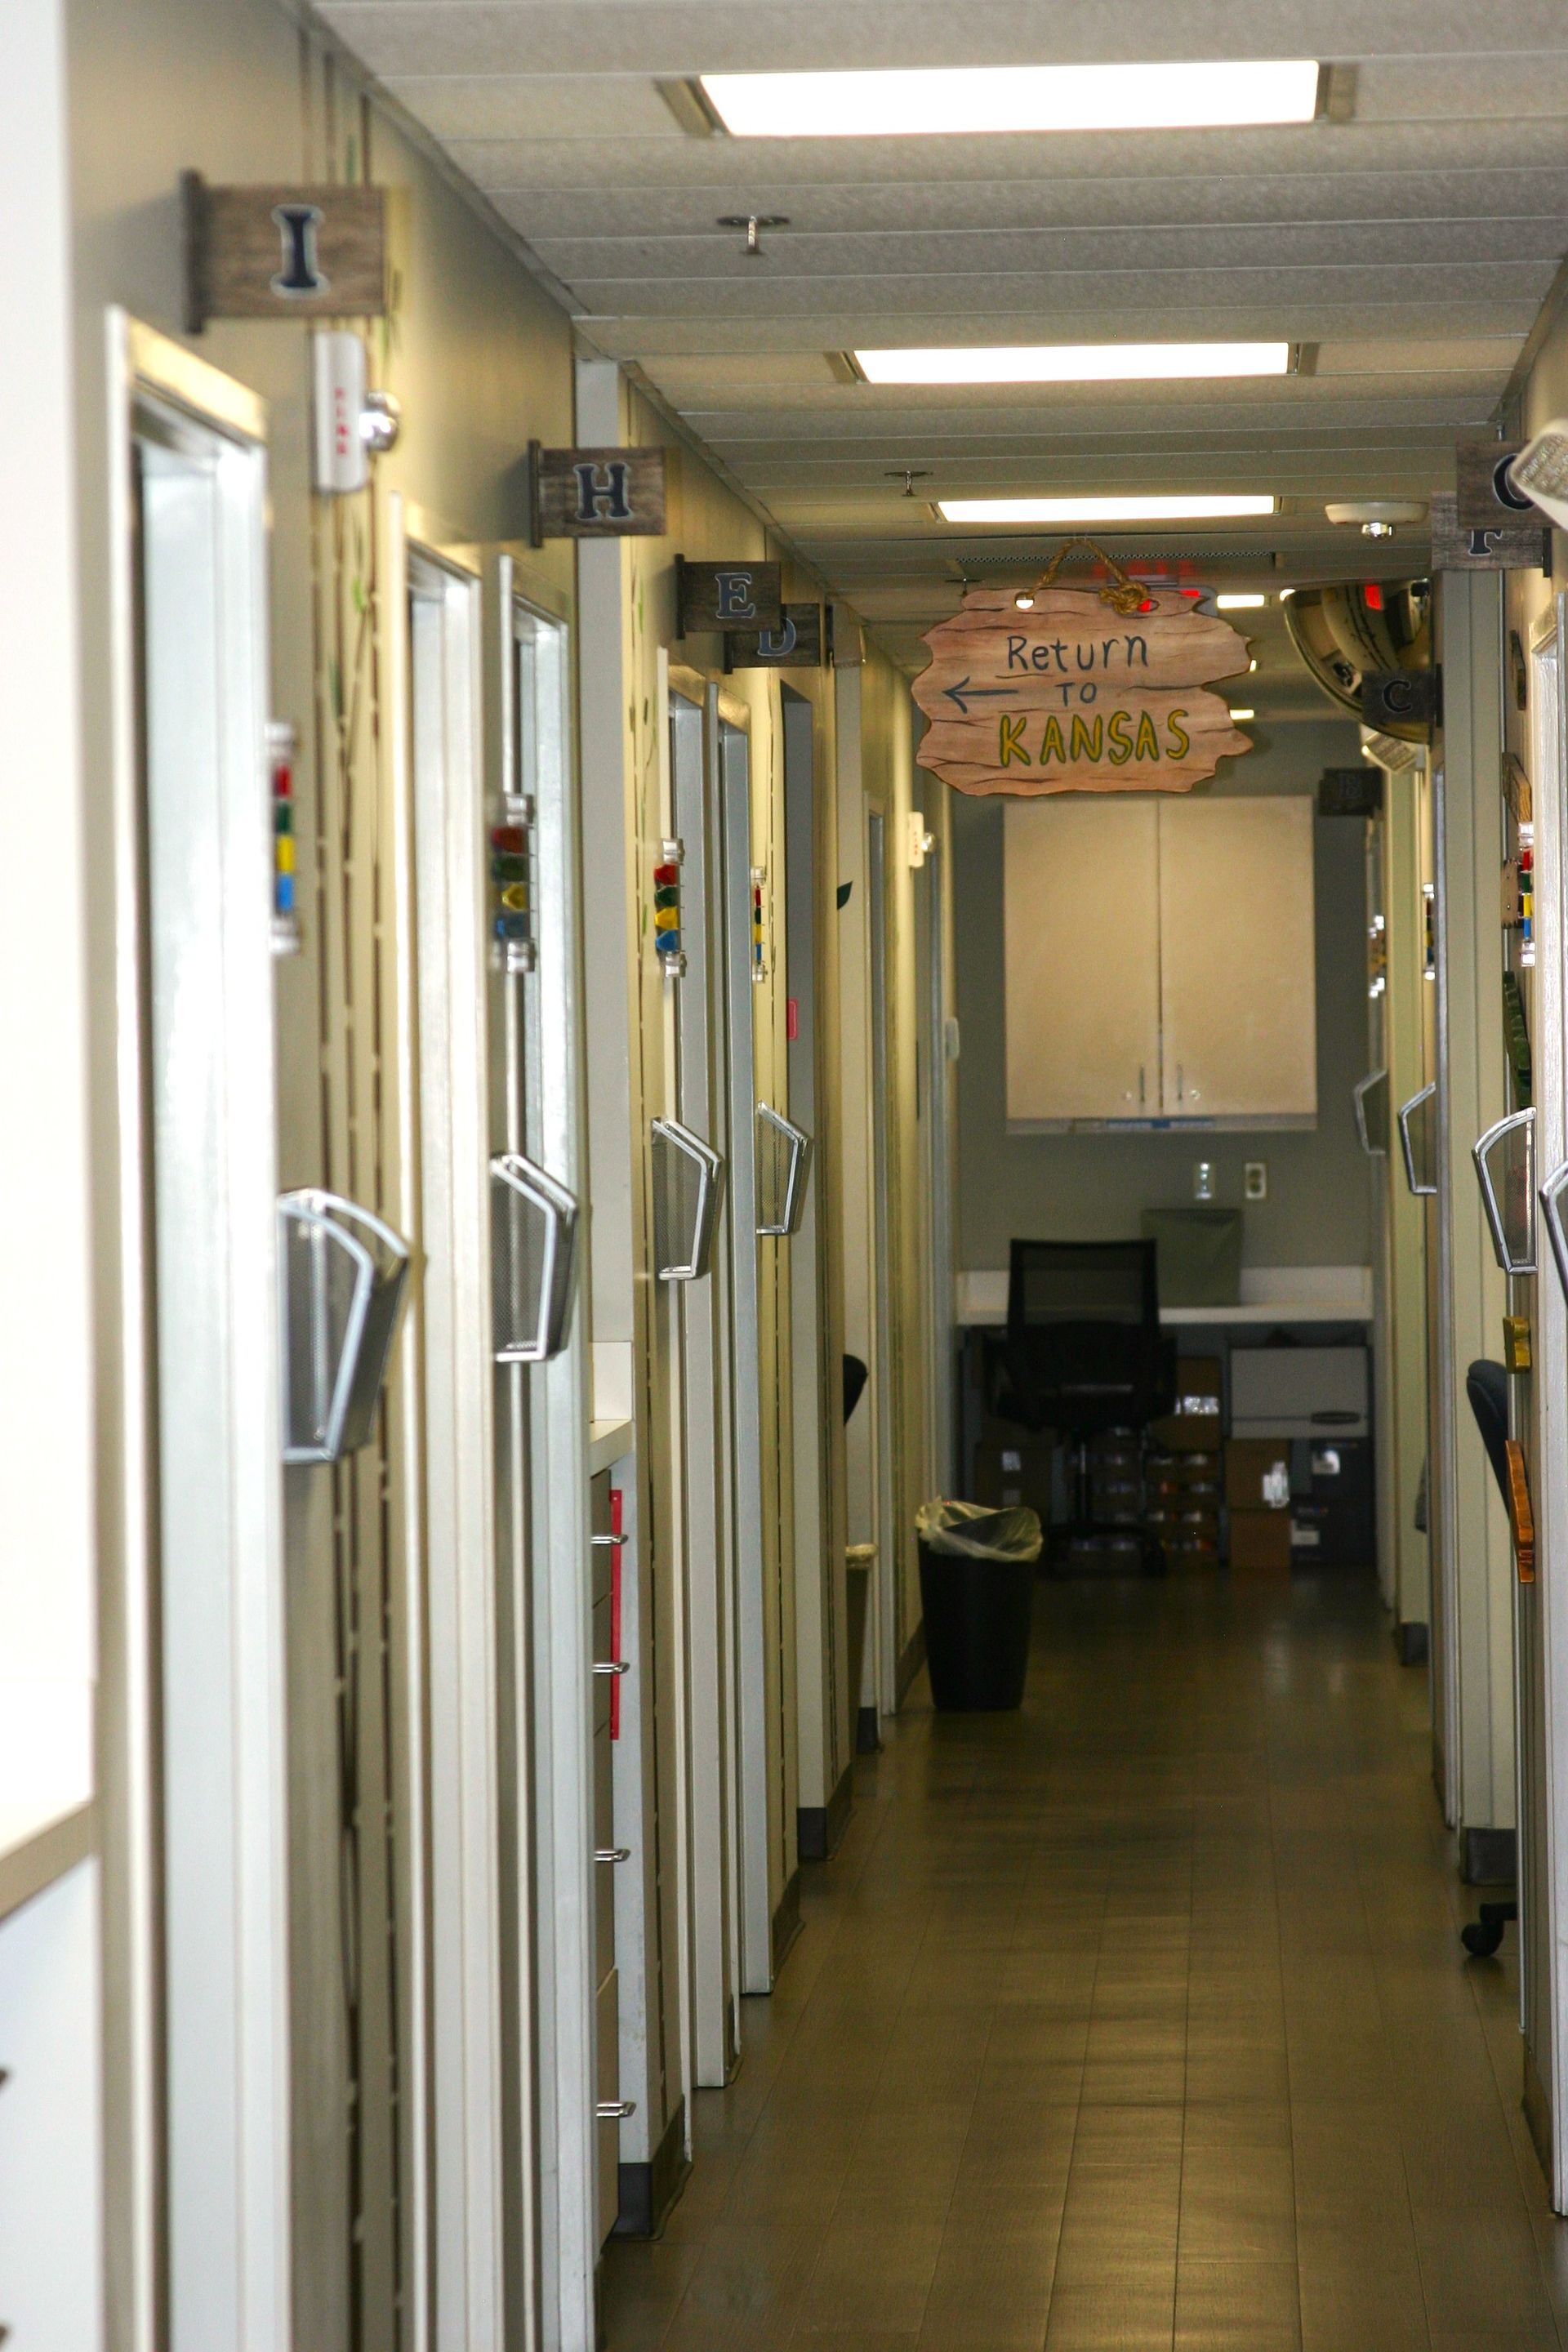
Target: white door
[(1081, 922), (1239, 1003), (511, 1917), (700, 1309), (214, 1499), (1542, 1622)]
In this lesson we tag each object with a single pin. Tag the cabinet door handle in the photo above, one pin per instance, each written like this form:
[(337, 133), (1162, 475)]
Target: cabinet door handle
[(1180, 1089), (1141, 1086), (615, 2111), (611, 1665), (613, 1542), (611, 1853)]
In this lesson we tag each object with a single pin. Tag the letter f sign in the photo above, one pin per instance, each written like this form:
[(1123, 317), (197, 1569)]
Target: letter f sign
[(602, 491)]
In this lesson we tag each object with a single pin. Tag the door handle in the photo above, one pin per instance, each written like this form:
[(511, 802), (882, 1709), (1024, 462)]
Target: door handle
[(685, 1258), (1358, 1094), (610, 1853), (1551, 1212), (1520, 1122), (613, 1542), (611, 1665), (334, 1348), (533, 1288), (612, 2111), (1406, 1113), (799, 1144)]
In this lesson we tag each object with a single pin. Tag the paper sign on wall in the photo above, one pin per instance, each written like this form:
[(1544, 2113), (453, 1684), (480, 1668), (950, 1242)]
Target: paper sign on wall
[(1076, 696)]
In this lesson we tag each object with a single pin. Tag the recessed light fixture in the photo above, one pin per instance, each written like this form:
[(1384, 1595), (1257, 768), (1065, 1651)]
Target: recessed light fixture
[(1200, 509), (1242, 713), (1239, 601), (913, 101), (1073, 362)]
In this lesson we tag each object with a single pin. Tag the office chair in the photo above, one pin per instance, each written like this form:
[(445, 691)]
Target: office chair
[(1486, 1385), (1084, 1353)]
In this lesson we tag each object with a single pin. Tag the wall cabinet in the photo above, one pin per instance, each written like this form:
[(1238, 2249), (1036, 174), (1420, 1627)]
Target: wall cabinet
[(1160, 961)]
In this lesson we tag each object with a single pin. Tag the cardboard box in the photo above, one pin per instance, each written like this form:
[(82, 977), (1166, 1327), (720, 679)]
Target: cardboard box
[(1195, 1427), (1258, 1474), (1260, 1539), (1006, 1475)]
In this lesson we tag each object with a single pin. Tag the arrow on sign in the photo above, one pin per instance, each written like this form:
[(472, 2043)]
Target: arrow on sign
[(963, 693)]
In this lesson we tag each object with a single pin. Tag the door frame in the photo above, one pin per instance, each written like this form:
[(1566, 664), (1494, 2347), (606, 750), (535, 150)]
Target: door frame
[(458, 1927), (246, 2257), (1542, 1642), (700, 1319)]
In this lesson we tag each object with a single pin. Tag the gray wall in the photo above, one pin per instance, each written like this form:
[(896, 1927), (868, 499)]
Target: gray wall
[(1087, 1187)]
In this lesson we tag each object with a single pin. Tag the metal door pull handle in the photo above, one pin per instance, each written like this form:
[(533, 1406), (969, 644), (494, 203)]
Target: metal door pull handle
[(615, 2111), (615, 1541), (611, 1665), (1406, 1144), (612, 1854)]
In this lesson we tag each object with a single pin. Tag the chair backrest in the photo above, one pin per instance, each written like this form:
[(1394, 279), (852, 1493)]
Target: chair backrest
[(1082, 1282)]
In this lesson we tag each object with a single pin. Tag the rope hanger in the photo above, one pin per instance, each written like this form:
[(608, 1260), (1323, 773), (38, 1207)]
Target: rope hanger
[(1122, 594)]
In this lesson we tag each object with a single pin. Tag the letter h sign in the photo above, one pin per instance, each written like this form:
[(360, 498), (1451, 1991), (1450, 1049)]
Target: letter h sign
[(596, 493)]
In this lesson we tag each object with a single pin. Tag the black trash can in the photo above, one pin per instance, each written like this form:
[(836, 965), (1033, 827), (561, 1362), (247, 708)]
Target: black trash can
[(978, 1586)]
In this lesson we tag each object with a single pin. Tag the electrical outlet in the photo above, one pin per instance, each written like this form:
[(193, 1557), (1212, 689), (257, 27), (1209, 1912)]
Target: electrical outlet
[(1255, 1180), (1202, 1180)]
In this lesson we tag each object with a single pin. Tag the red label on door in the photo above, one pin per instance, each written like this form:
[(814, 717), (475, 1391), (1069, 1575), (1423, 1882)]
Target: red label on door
[(616, 1549)]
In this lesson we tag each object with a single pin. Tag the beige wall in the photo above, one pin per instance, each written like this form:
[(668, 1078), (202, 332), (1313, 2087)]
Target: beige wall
[(480, 362)]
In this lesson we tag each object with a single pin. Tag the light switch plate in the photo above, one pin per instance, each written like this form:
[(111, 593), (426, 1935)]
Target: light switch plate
[(1255, 1180)]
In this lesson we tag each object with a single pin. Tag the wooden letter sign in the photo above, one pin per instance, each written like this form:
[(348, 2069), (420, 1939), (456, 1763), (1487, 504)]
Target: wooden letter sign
[(597, 493), (1522, 545), (741, 595), (282, 252), (796, 644), (1486, 498), (1074, 696)]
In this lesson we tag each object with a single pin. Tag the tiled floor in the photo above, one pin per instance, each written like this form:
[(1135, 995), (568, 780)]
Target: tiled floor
[(1138, 2020)]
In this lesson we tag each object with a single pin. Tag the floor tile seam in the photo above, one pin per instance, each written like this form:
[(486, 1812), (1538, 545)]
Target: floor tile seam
[(1278, 1947)]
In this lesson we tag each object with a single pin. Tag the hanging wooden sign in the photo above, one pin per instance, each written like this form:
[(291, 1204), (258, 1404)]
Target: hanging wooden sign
[(796, 644), (1079, 694), (740, 596), (597, 493), (282, 252)]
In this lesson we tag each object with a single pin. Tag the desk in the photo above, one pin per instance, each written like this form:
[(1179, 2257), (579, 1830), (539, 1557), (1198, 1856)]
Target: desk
[(1269, 1295)]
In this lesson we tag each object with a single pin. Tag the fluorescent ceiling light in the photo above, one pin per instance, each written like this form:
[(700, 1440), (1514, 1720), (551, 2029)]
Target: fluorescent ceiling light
[(1246, 602), (1239, 713), (919, 100), (1129, 509), (1074, 362)]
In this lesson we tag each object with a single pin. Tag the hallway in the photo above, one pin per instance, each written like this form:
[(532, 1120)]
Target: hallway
[(1137, 2020)]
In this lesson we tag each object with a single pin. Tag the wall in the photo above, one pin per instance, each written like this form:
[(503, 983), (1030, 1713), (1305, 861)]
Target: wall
[(1084, 1187), (482, 361)]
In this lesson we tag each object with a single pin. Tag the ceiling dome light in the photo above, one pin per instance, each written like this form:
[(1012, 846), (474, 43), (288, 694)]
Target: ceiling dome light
[(1025, 600), (1376, 516)]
